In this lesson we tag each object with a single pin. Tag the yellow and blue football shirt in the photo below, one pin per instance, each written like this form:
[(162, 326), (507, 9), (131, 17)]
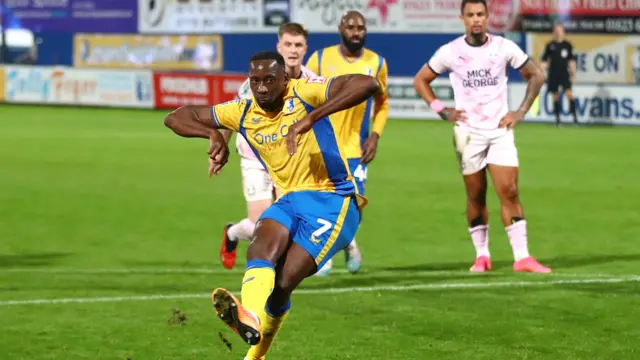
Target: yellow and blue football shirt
[(353, 125), (318, 164), (318, 205)]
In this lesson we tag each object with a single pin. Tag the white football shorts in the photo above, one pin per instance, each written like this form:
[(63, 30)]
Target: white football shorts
[(475, 148), (256, 182)]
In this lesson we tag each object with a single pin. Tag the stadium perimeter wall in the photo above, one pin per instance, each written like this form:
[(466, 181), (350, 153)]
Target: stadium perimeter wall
[(611, 104), (192, 51), (88, 78)]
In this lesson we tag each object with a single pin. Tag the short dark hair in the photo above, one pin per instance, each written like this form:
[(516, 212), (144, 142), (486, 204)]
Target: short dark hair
[(268, 55), (293, 29), (465, 2), (354, 13)]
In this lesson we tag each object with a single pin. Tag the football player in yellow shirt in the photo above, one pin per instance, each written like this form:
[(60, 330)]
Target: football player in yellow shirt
[(259, 191), (287, 126), (353, 125)]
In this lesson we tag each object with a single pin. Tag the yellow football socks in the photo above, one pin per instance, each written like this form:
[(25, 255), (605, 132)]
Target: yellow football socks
[(270, 327), (257, 285)]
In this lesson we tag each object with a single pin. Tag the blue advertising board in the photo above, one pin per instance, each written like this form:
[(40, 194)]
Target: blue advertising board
[(405, 53), (107, 16)]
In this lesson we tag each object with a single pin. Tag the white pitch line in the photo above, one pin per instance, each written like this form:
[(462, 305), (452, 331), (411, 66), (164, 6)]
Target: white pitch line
[(396, 288), (131, 271), (160, 271)]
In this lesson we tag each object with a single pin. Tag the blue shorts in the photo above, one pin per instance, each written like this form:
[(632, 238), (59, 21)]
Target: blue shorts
[(359, 172), (323, 223)]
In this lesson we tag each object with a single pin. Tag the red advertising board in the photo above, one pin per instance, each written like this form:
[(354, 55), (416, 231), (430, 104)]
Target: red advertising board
[(173, 90), (225, 87), (577, 16), (581, 7)]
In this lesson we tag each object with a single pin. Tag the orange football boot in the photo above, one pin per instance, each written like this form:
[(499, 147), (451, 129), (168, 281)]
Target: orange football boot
[(244, 322)]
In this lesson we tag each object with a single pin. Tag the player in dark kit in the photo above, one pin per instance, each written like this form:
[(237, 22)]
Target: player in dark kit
[(560, 63)]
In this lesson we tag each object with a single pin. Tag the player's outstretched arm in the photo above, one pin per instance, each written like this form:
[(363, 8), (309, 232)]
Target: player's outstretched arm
[(196, 121), (226, 134), (191, 121), (343, 92), (422, 84)]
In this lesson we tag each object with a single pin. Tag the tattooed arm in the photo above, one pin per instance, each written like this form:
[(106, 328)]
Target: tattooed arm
[(535, 80), (530, 71)]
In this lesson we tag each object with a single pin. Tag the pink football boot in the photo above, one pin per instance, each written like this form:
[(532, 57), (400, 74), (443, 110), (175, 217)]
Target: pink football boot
[(482, 264), (529, 264)]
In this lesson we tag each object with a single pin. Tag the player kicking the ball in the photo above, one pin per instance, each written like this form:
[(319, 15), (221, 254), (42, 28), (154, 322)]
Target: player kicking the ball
[(258, 188), (288, 128), (483, 131)]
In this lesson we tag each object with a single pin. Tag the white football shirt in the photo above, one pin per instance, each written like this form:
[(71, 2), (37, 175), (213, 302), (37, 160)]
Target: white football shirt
[(478, 76)]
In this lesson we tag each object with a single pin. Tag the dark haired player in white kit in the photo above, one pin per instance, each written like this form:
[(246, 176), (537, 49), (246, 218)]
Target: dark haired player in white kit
[(483, 131)]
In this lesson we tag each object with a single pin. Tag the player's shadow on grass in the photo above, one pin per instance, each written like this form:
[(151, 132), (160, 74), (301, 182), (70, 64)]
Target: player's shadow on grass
[(31, 260), (560, 262)]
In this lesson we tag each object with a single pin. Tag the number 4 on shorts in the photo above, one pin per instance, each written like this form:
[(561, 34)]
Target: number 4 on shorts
[(326, 225), (360, 173)]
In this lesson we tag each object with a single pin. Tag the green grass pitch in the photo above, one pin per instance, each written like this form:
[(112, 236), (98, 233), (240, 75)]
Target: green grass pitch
[(111, 212)]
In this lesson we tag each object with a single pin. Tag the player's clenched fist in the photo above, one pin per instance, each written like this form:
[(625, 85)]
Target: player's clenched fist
[(301, 127), (218, 152)]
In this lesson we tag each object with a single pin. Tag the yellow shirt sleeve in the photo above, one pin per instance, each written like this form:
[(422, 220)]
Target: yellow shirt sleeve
[(314, 90), (228, 114), (312, 63), (381, 109)]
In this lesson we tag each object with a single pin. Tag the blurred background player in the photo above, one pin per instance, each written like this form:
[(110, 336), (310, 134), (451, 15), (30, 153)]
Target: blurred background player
[(560, 63), (351, 57), (477, 65), (258, 188)]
